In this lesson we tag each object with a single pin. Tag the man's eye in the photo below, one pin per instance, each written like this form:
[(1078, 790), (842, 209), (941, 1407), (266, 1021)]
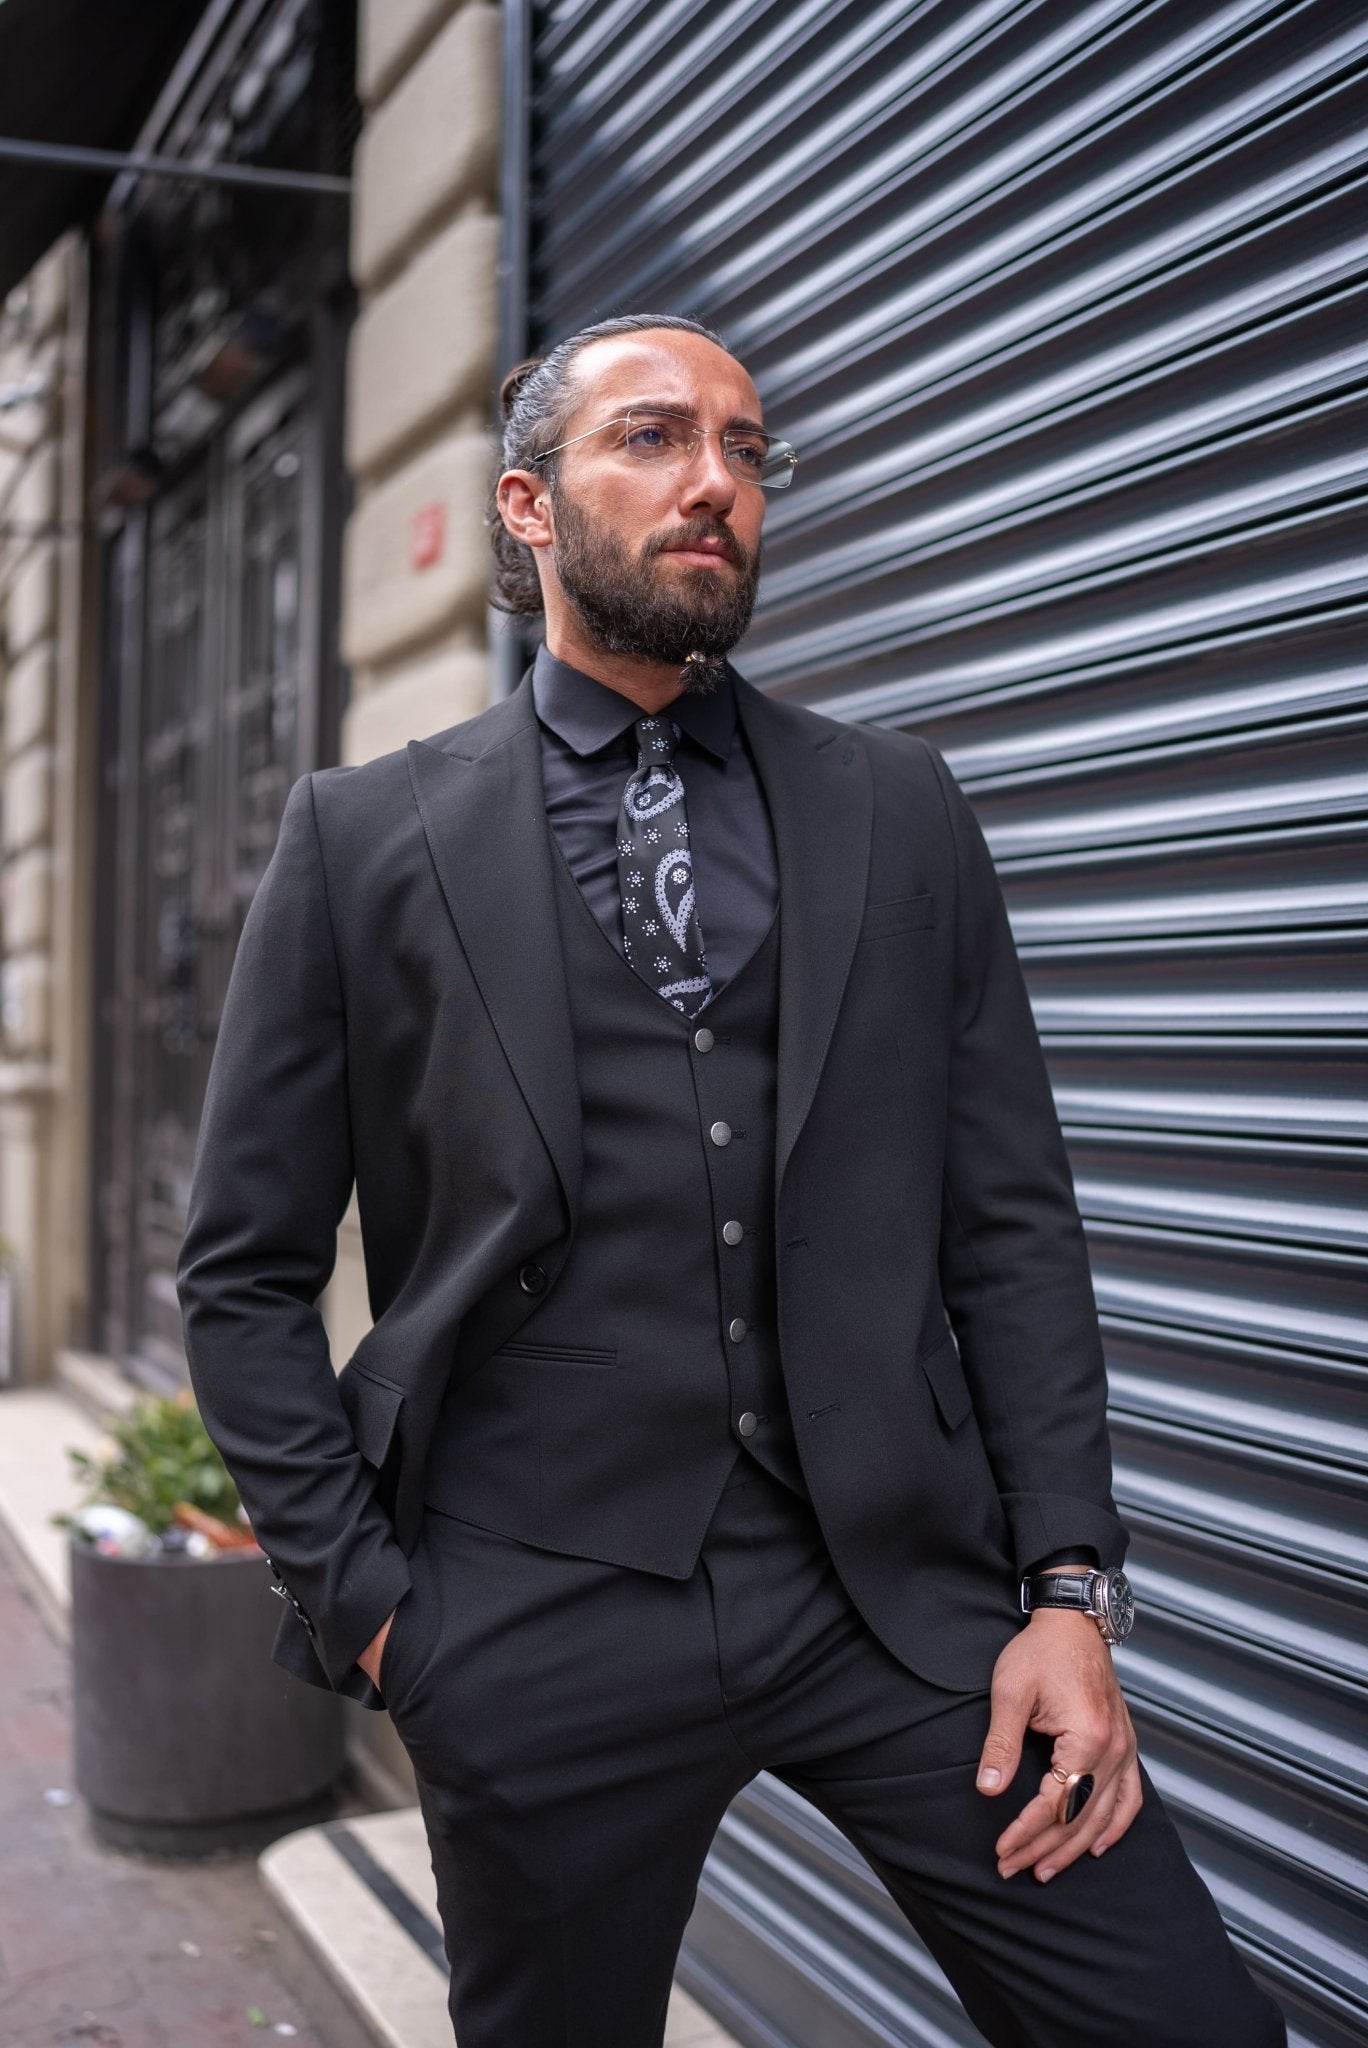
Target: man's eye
[(749, 454), (649, 437)]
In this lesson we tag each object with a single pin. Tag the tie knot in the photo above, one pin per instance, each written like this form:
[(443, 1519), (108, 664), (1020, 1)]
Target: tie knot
[(655, 738)]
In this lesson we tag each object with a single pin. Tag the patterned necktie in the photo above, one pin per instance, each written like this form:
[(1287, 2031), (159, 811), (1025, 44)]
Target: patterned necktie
[(660, 929)]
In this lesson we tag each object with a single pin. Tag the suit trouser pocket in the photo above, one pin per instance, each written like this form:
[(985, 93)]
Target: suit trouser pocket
[(409, 1640)]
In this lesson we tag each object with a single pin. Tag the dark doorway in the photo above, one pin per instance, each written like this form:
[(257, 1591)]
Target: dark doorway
[(221, 324)]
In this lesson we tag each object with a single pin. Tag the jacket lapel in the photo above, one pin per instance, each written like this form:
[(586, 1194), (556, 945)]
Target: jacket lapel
[(479, 795), (818, 788)]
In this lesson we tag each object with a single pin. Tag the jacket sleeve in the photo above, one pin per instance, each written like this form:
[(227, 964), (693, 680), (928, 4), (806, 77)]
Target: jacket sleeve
[(272, 1177), (1014, 1264)]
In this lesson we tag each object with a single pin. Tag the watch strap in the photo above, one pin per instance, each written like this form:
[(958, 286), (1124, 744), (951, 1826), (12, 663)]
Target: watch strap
[(1074, 1590)]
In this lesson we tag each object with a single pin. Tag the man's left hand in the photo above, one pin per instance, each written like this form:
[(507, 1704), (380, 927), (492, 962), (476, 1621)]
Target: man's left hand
[(1056, 1676)]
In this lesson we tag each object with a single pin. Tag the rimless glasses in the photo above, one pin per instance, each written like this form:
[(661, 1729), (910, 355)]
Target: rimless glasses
[(671, 440)]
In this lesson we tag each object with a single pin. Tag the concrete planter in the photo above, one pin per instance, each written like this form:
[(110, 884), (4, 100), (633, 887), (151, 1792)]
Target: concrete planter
[(187, 1737)]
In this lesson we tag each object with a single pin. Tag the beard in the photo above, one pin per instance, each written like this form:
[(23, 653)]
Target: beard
[(629, 607)]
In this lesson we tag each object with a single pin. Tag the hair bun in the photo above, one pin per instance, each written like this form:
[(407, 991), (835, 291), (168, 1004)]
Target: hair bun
[(514, 381)]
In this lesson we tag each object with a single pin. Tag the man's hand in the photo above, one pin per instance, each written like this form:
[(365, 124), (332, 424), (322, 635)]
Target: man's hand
[(1056, 1676), (369, 1660)]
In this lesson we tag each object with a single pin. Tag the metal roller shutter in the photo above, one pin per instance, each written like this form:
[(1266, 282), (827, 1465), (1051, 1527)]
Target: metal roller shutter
[(1064, 305)]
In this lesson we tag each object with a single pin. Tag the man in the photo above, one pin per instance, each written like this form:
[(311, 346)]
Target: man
[(734, 1353)]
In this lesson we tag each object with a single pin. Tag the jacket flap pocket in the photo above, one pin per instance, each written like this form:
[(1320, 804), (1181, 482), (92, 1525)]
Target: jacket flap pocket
[(898, 914), (942, 1367), (372, 1407)]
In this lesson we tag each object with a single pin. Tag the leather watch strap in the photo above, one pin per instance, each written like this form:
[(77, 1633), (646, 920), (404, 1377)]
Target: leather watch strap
[(1059, 1589)]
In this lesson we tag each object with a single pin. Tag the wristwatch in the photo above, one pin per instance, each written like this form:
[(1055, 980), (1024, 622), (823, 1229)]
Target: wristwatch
[(1105, 1595)]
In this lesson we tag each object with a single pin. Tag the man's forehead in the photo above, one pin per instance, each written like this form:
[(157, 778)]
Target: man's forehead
[(663, 367)]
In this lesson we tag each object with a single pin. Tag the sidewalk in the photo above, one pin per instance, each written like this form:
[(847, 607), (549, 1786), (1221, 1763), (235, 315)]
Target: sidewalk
[(98, 1950)]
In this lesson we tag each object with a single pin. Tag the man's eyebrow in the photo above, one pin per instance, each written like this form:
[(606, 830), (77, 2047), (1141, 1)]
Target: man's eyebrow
[(685, 409)]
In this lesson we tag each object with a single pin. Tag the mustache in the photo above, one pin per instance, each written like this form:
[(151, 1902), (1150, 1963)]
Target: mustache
[(694, 530)]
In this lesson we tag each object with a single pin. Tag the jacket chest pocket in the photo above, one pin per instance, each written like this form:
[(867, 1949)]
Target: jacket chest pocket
[(557, 1354), (898, 914)]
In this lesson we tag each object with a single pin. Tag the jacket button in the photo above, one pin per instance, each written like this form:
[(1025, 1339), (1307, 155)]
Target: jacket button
[(747, 1423), (732, 1233), (736, 1329), (703, 1039), (720, 1134), (532, 1279)]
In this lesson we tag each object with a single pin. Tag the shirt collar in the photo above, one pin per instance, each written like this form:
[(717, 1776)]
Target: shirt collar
[(587, 715)]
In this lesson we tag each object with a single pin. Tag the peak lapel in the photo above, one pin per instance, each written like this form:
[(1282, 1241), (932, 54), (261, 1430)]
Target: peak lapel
[(818, 788), (485, 819)]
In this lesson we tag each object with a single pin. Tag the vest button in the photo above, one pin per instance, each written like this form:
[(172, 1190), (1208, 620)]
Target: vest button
[(532, 1279), (720, 1134), (703, 1039), (736, 1329), (732, 1233), (747, 1424)]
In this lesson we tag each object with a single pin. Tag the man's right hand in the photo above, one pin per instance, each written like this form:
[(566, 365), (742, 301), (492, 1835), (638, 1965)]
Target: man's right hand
[(369, 1660)]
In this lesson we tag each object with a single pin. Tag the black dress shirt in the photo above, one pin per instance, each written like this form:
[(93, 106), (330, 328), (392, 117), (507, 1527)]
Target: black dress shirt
[(588, 752)]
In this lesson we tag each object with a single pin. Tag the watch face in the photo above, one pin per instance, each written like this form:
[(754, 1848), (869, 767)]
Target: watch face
[(1118, 1605)]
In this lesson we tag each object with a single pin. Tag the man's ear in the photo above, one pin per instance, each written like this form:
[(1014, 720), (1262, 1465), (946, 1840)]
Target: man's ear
[(525, 507)]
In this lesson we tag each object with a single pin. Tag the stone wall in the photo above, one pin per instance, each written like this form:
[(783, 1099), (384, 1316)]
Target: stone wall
[(421, 366), (47, 732)]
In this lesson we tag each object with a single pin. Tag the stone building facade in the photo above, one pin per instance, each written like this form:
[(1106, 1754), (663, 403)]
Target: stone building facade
[(49, 725), (420, 373)]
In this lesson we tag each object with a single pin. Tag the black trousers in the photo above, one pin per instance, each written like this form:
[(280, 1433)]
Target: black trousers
[(578, 1732)]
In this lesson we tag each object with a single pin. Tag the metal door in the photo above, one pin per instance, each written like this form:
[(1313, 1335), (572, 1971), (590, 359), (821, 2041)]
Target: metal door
[(1064, 304), (210, 743)]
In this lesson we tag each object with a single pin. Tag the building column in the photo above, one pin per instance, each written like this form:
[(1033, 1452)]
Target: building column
[(45, 810)]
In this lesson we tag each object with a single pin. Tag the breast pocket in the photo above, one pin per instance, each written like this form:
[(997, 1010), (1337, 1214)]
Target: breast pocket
[(558, 1354), (898, 914)]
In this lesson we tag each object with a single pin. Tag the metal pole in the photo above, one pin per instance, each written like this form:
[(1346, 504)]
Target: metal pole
[(64, 156), (515, 145)]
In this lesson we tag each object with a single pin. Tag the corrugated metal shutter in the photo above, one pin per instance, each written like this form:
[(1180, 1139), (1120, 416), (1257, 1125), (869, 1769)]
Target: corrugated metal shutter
[(1065, 307)]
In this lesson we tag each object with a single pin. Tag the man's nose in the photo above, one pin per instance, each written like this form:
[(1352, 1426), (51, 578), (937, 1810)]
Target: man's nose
[(706, 482)]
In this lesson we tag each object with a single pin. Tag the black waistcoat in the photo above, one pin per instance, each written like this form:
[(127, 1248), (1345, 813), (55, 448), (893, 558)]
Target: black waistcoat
[(608, 1426)]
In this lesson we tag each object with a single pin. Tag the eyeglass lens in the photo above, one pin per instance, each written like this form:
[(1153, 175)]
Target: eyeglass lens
[(754, 457)]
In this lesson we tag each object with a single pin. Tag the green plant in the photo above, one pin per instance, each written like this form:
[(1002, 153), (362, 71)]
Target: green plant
[(162, 1455)]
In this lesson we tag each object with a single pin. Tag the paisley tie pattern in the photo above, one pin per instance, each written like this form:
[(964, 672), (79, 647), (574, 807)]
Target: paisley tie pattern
[(660, 929)]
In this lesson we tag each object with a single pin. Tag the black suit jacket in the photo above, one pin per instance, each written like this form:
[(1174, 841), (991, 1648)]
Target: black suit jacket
[(397, 1017)]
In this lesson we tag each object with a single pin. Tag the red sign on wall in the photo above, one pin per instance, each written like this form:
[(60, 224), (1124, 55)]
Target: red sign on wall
[(427, 538)]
